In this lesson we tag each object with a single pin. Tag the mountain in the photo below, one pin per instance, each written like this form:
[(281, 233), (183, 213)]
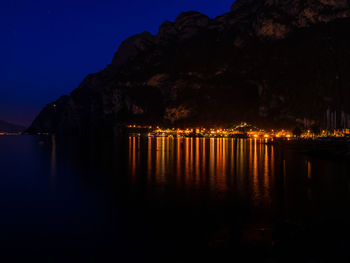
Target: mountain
[(274, 63), (9, 127)]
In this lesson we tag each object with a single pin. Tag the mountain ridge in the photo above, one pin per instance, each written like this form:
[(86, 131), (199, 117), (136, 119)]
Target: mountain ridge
[(10, 127), (257, 63)]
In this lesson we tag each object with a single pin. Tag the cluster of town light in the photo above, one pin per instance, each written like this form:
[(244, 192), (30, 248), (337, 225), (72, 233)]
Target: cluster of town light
[(242, 129), (211, 132), (10, 133)]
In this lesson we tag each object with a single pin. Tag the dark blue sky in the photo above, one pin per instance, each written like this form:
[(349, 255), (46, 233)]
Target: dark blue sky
[(47, 47)]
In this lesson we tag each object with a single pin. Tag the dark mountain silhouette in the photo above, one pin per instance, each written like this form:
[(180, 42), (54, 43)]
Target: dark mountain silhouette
[(9, 127), (274, 63)]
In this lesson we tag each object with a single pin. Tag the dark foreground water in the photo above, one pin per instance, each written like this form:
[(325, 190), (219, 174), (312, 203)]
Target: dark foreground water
[(170, 200)]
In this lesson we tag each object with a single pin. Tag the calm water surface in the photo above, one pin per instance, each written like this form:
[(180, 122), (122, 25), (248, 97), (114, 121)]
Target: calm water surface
[(170, 200)]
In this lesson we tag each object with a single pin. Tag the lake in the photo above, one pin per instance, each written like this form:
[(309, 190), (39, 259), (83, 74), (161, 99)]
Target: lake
[(170, 200)]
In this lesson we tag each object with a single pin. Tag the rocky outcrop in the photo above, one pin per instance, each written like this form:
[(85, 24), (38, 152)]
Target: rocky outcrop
[(186, 25), (276, 18), (270, 62), (132, 47)]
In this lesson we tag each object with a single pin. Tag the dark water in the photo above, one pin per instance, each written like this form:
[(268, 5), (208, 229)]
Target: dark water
[(170, 200)]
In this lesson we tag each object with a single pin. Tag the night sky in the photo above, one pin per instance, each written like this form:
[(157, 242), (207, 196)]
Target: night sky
[(47, 47)]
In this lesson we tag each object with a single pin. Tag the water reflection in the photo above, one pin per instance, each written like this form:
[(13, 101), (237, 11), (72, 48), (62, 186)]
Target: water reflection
[(53, 157), (166, 193), (222, 164), (309, 170)]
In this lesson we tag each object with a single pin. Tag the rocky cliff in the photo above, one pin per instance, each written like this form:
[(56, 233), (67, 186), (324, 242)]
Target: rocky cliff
[(270, 62)]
